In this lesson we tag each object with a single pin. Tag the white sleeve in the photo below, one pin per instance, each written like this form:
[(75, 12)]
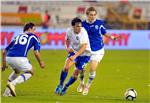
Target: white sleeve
[(67, 34), (84, 38)]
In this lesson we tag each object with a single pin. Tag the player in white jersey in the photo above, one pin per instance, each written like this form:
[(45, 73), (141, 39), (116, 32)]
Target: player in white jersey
[(96, 30), (78, 48), (15, 55)]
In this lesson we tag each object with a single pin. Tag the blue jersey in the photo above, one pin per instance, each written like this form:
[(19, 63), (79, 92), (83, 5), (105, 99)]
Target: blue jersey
[(20, 46), (95, 31)]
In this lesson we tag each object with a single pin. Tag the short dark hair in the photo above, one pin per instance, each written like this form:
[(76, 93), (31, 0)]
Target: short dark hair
[(90, 9), (28, 26), (75, 20)]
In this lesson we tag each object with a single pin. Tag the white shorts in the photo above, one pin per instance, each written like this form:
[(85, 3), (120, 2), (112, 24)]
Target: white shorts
[(19, 63), (97, 55)]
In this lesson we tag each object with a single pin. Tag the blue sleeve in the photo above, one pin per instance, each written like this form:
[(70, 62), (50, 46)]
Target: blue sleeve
[(36, 44), (103, 29), (10, 45)]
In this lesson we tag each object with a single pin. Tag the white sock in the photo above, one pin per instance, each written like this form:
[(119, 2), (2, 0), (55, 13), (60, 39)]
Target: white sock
[(12, 76), (82, 82), (21, 78), (89, 83), (91, 77)]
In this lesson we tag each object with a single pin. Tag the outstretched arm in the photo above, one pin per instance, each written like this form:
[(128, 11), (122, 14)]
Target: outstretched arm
[(4, 60), (112, 37), (38, 57)]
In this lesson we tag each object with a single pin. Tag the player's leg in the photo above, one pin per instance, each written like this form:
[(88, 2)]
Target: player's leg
[(11, 61), (21, 64), (92, 75), (82, 74), (95, 59), (63, 75), (20, 79), (72, 79), (12, 76), (81, 61), (81, 85), (65, 70)]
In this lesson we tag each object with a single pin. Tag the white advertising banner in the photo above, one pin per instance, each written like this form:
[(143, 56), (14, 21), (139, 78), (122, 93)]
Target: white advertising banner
[(54, 38)]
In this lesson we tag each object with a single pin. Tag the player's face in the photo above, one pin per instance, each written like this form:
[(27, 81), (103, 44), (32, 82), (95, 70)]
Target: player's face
[(77, 27), (33, 29), (91, 16)]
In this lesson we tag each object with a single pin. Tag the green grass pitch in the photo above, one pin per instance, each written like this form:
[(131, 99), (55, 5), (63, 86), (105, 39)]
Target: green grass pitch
[(119, 70)]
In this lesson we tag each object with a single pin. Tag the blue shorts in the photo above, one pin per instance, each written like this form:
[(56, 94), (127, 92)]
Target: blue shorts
[(80, 61)]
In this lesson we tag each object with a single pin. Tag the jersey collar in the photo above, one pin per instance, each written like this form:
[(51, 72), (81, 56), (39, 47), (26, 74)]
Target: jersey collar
[(90, 22)]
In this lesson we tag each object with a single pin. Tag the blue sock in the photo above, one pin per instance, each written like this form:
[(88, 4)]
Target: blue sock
[(63, 77), (71, 81)]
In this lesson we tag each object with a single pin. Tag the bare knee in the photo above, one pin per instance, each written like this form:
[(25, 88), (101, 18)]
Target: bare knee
[(66, 69), (94, 65), (76, 73)]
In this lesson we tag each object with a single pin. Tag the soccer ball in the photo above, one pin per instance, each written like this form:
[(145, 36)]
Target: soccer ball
[(130, 94)]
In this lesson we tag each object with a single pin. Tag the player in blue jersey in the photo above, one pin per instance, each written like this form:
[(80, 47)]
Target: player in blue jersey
[(15, 55), (78, 48), (96, 30)]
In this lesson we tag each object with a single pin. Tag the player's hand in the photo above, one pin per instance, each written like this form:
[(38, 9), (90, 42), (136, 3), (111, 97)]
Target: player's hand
[(72, 58), (117, 37), (3, 68), (69, 50), (42, 64)]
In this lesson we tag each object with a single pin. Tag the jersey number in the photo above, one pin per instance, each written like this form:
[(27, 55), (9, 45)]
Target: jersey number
[(21, 39)]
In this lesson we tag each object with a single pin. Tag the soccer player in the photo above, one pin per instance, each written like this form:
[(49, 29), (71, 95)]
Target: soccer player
[(78, 48), (96, 30), (15, 55)]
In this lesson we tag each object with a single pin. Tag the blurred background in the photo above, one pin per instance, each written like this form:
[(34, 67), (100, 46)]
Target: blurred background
[(121, 14), (121, 17)]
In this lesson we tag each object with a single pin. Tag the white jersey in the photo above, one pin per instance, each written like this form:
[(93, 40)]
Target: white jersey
[(76, 40)]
